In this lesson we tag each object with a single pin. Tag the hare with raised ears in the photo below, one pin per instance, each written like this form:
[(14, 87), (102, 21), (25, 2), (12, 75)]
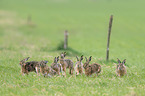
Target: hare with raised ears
[(45, 70), (79, 66), (93, 68), (66, 63), (23, 66), (121, 69), (30, 66), (57, 66)]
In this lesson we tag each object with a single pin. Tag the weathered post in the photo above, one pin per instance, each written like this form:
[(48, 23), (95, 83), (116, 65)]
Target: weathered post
[(29, 20), (109, 33), (65, 39)]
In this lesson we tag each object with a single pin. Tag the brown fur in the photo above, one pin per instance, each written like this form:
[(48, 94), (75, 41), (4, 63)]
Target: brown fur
[(46, 70), (31, 66), (93, 68), (121, 69), (56, 66), (79, 66), (66, 63)]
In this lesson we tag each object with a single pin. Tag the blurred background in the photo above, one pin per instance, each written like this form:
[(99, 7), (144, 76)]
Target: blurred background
[(34, 27)]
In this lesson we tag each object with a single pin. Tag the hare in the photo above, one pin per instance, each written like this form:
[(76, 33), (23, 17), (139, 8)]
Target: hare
[(30, 66), (66, 63), (79, 66), (93, 68), (121, 69), (56, 66), (45, 70)]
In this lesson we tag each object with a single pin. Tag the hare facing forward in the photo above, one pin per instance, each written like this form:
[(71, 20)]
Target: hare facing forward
[(30, 66), (79, 66), (57, 66), (45, 70), (93, 68), (121, 69), (66, 63)]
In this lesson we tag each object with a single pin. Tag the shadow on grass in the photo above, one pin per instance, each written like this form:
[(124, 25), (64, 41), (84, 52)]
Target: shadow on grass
[(109, 62), (69, 51), (112, 61), (60, 48), (10, 48)]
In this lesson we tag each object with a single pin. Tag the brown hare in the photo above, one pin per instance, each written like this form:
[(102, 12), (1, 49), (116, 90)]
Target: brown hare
[(45, 70), (121, 69), (30, 66), (66, 63), (93, 68), (57, 66), (79, 66)]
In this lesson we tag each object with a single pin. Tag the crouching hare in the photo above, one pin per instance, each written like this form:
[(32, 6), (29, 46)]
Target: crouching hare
[(45, 70), (121, 69), (79, 66), (57, 66), (93, 68)]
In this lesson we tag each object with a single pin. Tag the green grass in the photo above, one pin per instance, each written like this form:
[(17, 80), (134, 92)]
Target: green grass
[(87, 24)]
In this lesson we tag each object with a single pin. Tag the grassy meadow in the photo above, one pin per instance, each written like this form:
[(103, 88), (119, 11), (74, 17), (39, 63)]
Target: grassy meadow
[(87, 23)]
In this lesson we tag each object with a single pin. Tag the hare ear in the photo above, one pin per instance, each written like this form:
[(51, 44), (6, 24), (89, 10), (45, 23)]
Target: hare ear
[(81, 58), (86, 59), (77, 58), (58, 58), (26, 59), (118, 60), (55, 59), (64, 54), (46, 62), (90, 58), (124, 61)]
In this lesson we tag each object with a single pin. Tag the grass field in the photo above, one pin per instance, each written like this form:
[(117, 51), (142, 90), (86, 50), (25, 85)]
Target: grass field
[(87, 24)]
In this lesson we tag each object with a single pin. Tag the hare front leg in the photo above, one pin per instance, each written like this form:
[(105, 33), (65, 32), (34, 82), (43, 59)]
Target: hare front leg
[(77, 72), (37, 71), (82, 71), (64, 69), (58, 72)]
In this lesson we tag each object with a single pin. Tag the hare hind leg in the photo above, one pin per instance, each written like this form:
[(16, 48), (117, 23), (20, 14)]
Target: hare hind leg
[(58, 72), (71, 71), (97, 74)]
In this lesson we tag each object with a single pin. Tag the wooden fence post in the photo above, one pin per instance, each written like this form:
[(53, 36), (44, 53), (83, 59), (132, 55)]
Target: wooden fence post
[(29, 20), (65, 39), (109, 33)]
